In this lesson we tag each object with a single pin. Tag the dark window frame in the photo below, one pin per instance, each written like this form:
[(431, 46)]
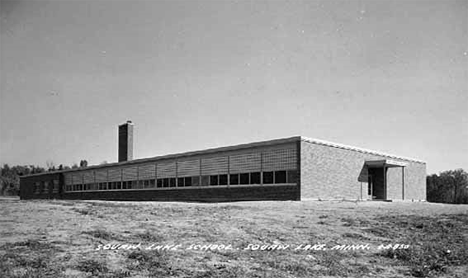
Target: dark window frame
[(255, 178), (292, 176), (214, 180), (223, 179), (234, 179), (172, 182), (244, 178), (280, 177), (205, 180), (268, 177), (196, 181), (180, 182)]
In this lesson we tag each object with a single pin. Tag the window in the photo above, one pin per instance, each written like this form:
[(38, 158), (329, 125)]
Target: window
[(159, 183), (166, 182), (205, 180), (280, 177), (37, 188), (292, 176), (213, 180), (146, 183), (222, 179), (267, 177), (234, 179), (180, 181), (244, 178), (152, 183), (196, 181), (56, 186), (255, 178), (46, 187), (188, 181), (172, 182)]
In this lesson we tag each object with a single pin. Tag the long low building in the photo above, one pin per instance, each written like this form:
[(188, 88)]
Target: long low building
[(295, 168)]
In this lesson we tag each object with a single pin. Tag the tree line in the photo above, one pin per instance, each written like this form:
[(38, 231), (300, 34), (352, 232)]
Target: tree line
[(448, 187), (9, 176)]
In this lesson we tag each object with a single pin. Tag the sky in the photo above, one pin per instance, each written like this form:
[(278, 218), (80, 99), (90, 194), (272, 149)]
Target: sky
[(390, 76)]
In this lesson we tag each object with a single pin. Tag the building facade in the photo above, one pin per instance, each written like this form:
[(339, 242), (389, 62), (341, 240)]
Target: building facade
[(295, 168)]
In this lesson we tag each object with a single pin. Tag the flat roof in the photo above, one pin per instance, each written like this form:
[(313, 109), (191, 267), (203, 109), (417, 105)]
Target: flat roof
[(234, 147)]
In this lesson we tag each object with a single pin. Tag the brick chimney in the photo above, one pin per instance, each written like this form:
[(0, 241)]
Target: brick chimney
[(126, 141)]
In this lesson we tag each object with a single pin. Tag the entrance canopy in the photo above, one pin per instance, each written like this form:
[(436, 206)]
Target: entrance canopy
[(384, 163)]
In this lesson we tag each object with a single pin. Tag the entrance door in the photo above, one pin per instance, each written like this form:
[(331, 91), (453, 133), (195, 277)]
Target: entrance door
[(378, 183)]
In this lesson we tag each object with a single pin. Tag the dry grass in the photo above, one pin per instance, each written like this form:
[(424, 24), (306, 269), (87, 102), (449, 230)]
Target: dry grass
[(60, 238)]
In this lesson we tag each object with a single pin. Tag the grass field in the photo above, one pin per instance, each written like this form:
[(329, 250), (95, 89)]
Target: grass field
[(244, 239)]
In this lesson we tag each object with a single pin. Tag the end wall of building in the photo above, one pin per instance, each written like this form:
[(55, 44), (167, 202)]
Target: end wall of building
[(44, 186), (329, 172)]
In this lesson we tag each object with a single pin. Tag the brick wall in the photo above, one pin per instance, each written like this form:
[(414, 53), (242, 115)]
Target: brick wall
[(28, 186), (225, 194), (335, 173)]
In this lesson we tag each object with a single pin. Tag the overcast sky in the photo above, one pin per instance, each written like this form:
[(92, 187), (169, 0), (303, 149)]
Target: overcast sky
[(384, 75)]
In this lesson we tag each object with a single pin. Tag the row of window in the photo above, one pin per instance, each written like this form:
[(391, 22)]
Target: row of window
[(44, 187), (271, 159), (273, 177)]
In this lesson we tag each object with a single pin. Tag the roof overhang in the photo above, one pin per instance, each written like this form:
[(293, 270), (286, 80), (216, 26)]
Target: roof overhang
[(385, 163)]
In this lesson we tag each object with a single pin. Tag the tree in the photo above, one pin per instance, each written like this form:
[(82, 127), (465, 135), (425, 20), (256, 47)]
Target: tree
[(448, 187), (83, 163), (50, 165), (9, 177)]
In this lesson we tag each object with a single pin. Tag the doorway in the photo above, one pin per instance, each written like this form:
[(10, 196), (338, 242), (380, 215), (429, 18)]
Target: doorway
[(376, 183)]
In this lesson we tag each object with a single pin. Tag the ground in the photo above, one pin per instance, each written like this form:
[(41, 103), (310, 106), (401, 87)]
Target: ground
[(57, 238)]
